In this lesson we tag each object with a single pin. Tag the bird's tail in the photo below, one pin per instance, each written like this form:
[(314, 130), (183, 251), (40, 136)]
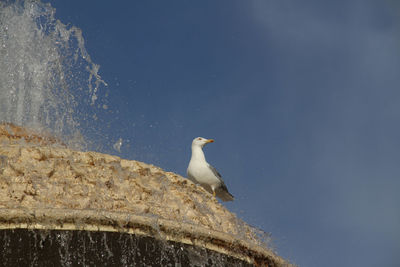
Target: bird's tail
[(224, 194)]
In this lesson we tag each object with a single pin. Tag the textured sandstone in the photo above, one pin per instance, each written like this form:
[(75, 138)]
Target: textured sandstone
[(38, 174)]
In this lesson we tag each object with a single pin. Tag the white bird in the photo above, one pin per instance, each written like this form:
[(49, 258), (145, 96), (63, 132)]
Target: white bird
[(199, 171)]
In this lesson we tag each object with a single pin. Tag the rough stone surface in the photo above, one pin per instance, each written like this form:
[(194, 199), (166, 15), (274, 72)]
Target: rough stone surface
[(38, 173)]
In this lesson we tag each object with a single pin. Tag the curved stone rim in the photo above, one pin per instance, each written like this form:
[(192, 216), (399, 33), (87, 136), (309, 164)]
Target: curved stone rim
[(101, 220)]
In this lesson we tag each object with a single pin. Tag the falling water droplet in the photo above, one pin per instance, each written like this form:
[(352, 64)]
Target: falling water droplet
[(117, 145)]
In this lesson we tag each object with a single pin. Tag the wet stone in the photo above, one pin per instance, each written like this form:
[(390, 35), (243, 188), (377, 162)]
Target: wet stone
[(24, 247)]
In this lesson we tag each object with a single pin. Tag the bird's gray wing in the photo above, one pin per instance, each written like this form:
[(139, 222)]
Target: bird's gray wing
[(222, 190), (216, 173), (219, 176)]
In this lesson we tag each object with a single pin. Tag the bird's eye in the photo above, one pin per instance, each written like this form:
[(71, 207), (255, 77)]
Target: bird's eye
[(199, 138)]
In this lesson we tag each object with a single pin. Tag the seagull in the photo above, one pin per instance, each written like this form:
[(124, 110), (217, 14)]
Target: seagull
[(200, 172)]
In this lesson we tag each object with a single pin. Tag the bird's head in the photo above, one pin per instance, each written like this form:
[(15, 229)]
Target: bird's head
[(200, 141)]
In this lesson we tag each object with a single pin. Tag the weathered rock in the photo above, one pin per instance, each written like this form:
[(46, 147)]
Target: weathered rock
[(43, 182)]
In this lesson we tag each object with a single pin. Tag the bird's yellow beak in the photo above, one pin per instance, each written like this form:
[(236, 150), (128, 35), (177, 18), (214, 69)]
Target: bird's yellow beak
[(210, 141)]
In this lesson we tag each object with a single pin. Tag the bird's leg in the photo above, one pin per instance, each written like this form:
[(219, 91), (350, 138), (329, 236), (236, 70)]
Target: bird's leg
[(213, 189)]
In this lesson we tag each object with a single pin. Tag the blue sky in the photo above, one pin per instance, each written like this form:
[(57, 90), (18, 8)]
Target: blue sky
[(302, 98)]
